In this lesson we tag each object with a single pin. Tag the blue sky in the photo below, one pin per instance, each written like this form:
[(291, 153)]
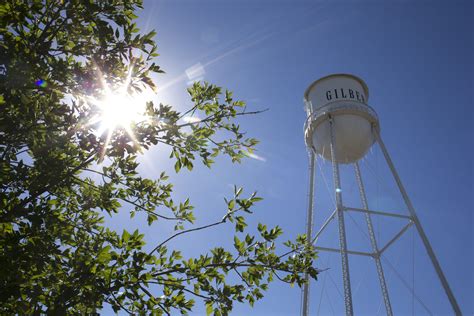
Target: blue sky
[(417, 59)]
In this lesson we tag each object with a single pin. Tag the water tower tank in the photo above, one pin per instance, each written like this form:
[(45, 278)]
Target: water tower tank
[(341, 98)]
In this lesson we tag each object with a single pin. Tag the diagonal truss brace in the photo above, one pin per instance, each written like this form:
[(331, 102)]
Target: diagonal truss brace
[(361, 253), (400, 233), (326, 223), (416, 221)]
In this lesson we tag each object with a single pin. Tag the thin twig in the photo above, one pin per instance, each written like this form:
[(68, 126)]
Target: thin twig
[(184, 232), (120, 304), (241, 277), (95, 187)]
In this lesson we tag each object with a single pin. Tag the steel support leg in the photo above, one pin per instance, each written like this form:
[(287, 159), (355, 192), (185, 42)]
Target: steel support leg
[(309, 228), (373, 241), (418, 226), (342, 229)]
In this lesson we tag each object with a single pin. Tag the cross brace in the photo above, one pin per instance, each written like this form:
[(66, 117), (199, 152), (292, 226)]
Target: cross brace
[(361, 253), (376, 212)]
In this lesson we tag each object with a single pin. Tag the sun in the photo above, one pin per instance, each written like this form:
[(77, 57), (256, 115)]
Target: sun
[(119, 110)]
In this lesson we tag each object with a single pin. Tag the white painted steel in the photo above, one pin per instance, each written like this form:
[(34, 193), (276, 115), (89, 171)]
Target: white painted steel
[(309, 229), (354, 135), (373, 241), (316, 93), (343, 97), (346, 279), (421, 232), (341, 127)]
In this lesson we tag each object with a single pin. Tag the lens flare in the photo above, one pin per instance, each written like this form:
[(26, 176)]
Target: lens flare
[(41, 83)]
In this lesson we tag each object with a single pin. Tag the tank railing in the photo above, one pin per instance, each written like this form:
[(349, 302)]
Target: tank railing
[(342, 105), (323, 113)]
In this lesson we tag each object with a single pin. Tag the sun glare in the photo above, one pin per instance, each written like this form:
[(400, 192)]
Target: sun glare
[(119, 110)]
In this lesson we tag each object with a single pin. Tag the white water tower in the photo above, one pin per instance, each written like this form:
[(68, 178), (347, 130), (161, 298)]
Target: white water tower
[(341, 98), (341, 127)]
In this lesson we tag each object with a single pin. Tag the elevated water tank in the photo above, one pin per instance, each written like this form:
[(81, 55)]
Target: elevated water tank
[(341, 98)]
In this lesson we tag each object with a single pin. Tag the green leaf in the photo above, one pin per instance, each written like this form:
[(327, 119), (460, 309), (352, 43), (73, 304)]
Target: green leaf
[(104, 254), (177, 166), (125, 236), (62, 180), (209, 308)]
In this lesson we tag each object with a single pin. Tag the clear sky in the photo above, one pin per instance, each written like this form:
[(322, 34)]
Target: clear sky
[(417, 59)]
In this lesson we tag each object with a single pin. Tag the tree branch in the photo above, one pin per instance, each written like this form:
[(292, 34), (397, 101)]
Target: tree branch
[(184, 232), (130, 202)]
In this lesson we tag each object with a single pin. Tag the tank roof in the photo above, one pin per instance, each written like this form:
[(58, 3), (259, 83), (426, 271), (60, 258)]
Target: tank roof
[(362, 82)]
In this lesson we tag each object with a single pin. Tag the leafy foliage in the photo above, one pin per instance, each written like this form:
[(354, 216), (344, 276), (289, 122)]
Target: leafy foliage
[(56, 254)]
